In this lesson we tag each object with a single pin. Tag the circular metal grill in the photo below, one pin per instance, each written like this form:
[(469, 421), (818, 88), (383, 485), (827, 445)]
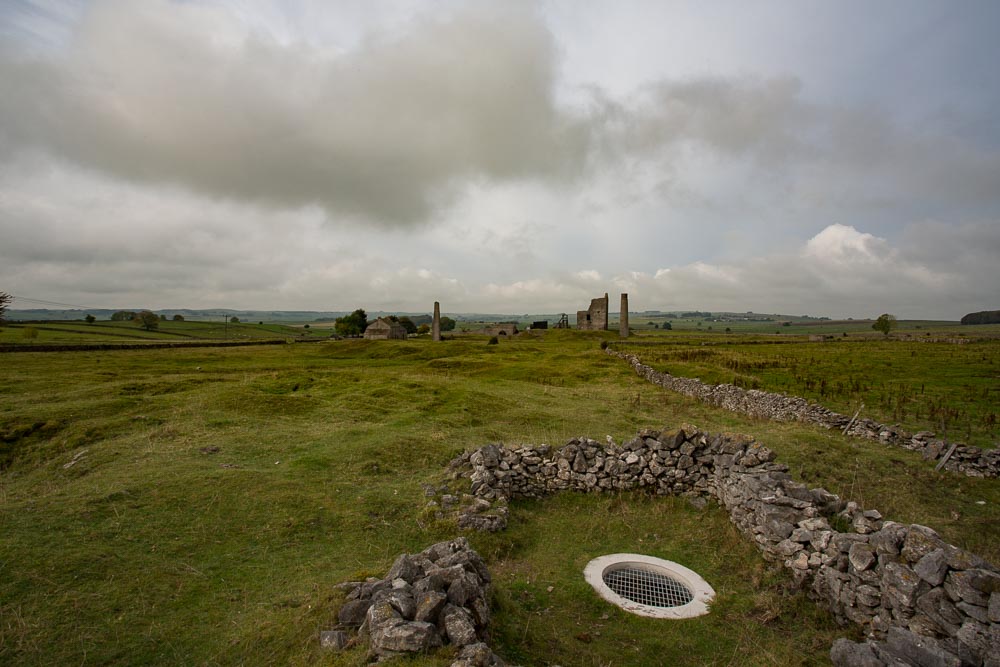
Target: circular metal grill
[(652, 589), (649, 586)]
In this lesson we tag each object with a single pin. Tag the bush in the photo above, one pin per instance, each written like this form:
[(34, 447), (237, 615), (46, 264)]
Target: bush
[(178, 318), (423, 328), (494, 341), (236, 320), (604, 344), (89, 319)]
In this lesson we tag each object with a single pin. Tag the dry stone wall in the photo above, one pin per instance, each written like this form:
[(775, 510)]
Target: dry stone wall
[(903, 584), (971, 461)]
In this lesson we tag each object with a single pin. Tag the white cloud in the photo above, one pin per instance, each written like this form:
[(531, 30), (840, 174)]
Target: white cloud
[(842, 244)]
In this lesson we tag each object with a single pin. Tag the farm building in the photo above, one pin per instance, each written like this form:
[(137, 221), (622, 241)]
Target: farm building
[(385, 329)]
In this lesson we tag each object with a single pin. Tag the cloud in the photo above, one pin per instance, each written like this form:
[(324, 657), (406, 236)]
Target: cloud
[(394, 128), (844, 245), (175, 93), (849, 272)]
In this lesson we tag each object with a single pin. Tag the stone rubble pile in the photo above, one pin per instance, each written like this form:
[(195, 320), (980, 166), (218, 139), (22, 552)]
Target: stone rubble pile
[(878, 574), (427, 600), (971, 461)]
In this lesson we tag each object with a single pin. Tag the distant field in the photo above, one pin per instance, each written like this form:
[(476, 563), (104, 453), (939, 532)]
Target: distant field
[(49, 332), (952, 389), (196, 506), (795, 327)]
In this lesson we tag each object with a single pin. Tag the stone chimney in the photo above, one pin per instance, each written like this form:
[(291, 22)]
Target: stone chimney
[(436, 326), (623, 318)]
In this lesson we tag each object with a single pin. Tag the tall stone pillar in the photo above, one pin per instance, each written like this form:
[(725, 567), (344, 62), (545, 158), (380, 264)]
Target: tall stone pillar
[(436, 326), (623, 319)]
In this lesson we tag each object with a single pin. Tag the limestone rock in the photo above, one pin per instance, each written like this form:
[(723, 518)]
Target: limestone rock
[(406, 637), (458, 625), (933, 567), (477, 655), (861, 556), (918, 650), (353, 612), (846, 653), (429, 605)]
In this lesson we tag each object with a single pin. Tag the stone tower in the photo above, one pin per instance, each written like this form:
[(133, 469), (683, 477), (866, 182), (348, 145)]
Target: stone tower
[(436, 326), (623, 318)]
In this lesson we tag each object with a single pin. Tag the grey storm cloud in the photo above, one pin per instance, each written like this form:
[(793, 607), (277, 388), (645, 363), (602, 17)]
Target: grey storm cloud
[(382, 132), (391, 129)]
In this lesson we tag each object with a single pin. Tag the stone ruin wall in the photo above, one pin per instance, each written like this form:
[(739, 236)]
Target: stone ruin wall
[(928, 601), (594, 318), (971, 461)]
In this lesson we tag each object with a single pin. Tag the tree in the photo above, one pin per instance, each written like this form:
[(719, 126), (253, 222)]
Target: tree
[(123, 316), (353, 324), (5, 300), (148, 320), (423, 328), (90, 319), (234, 320), (178, 318), (408, 324), (447, 324), (667, 325), (982, 317), (885, 323)]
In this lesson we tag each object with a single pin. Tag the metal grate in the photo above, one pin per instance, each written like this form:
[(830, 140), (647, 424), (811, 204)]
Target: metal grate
[(648, 588)]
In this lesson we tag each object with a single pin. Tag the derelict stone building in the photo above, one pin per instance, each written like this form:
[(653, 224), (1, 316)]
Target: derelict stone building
[(501, 329), (385, 329), (594, 318)]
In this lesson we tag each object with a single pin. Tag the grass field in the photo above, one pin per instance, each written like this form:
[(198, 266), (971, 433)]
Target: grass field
[(951, 389), (196, 506)]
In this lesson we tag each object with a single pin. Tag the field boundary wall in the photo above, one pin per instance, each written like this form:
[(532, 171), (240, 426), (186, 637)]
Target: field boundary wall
[(971, 461), (910, 591)]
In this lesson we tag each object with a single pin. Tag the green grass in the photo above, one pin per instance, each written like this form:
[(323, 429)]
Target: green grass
[(944, 387), (196, 506)]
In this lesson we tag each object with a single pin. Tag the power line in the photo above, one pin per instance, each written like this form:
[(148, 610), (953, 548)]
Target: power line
[(54, 303)]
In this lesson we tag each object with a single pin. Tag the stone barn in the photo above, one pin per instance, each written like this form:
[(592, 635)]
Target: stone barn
[(594, 318), (385, 329)]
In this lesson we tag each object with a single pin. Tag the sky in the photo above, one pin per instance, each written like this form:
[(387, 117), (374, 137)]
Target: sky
[(836, 159)]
